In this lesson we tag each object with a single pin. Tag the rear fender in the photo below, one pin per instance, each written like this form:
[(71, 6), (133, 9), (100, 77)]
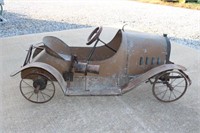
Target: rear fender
[(51, 72)]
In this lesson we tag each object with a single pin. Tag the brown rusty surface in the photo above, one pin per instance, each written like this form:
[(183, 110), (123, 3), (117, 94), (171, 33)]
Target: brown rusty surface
[(142, 78), (84, 68), (152, 49), (94, 85), (116, 64), (101, 52), (111, 65), (56, 45), (33, 68), (58, 63)]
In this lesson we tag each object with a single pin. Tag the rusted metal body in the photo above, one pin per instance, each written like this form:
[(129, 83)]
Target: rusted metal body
[(114, 68)]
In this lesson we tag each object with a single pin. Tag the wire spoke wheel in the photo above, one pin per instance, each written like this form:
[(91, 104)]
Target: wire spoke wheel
[(37, 88), (169, 86)]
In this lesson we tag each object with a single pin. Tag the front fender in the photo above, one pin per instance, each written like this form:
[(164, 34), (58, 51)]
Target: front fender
[(151, 73), (45, 68)]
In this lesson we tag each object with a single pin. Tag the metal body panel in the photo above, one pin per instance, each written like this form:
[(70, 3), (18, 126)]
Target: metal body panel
[(112, 70), (56, 45), (39, 67), (116, 64), (94, 85), (59, 64), (101, 52), (145, 51), (111, 64)]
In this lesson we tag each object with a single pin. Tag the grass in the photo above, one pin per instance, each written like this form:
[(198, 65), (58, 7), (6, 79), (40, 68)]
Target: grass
[(195, 6)]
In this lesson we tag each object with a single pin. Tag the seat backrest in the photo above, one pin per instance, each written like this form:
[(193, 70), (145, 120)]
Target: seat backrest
[(56, 45)]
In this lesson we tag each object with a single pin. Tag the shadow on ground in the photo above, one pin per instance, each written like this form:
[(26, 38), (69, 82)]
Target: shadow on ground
[(19, 24)]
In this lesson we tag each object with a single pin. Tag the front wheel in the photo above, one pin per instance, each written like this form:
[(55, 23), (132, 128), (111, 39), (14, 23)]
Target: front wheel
[(37, 88), (169, 86)]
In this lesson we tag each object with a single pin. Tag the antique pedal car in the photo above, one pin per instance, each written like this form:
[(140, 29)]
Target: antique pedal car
[(113, 68)]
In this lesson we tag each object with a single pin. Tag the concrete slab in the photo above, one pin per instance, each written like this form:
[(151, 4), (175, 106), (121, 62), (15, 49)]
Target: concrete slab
[(136, 111)]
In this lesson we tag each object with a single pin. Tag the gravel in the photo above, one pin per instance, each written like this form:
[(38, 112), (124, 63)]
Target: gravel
[(36, 16)]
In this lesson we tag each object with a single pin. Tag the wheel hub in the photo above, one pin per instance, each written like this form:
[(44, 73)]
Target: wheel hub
[(39, 84), (170, 87)]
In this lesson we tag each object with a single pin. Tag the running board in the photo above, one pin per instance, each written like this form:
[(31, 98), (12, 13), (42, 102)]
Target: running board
[(111, 91)]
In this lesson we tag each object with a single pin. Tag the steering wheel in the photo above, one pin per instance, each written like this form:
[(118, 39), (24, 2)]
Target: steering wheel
[(94, 35)]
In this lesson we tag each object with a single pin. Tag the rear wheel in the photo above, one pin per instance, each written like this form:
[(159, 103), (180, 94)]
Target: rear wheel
[(37, 88), (169, 86)]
